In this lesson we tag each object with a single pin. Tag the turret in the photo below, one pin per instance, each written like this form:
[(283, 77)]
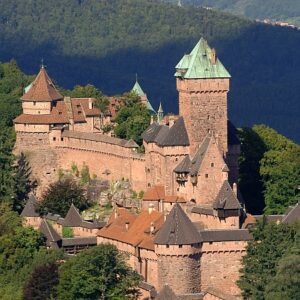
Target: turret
[(178, 248), (203, 83), (160, 114)]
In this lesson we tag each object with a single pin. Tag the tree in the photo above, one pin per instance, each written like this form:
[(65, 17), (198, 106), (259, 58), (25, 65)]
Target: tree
[(98, 273), (259, 266), (60, 195), (132, 119), (42, 282), (23, 184)]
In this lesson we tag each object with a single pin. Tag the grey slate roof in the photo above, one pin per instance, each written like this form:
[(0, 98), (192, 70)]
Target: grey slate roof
[(177, 229), (131, 144), (223, 235), (166, 293), (177, 135), (79, 241), (73, 218), (151, 132), (198, 158), (292, 215), (232, 134), (184, 166), (49, 232), (226, 199), (29, 209), (219, 294), (165, 136), (203, 210)]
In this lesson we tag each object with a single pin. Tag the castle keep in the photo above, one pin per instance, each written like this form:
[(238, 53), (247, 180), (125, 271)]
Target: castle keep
[(190, 236)]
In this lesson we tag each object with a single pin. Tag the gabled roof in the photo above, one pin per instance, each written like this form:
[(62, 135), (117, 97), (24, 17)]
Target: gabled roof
[(131, 144), (166, 293), (42, 89), (73, 218), (29, 209), (292, 215), (184, 166), (177, 135), (200, 64), (49, 232), (198, 158), (226, 198), (155, 193), (151, 132), (177, 229)]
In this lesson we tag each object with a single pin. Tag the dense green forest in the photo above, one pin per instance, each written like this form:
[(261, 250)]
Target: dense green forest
[(106, 43), (277, 10)]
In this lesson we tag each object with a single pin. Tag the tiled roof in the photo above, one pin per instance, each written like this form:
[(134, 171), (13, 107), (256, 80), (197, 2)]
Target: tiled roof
[(199, 64), (177, 229), (155, 193), (174, 199), (95, 137), (292, 215), (198, 158), (138, 232), (29, 209), (42, 89), (226, 198), (177, 135), (58, 115), (223, 235), (151, 132), (49, 232), (219, 294), (184, 166), (203, 210), (73, 218)]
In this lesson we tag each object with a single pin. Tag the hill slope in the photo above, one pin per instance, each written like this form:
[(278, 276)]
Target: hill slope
[(277, 10), (107, 42)]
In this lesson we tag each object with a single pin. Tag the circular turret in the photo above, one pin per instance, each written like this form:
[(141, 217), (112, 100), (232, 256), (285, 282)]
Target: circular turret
[(178, 248)]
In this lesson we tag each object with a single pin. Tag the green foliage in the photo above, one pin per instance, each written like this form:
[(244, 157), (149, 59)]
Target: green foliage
[(60, 195), (67, 232), (270, 243), (269, 170), (23, 184), (74, 169), (85, 174), (97, 273), (132, 119), (42, 283)]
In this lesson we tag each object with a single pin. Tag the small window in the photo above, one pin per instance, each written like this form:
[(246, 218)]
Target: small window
[(78, 105), (79, 112), (34, 103), (177, 189), (39, 112), (206, 175), (149, 184), (180, 246), (62, 139), (60, 112), (212, 164), (167, 246), (54, 138), (210, 243), (176, 159)]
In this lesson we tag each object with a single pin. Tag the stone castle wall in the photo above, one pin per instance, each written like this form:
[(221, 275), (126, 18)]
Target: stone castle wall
[(203, 104), (220, 265)]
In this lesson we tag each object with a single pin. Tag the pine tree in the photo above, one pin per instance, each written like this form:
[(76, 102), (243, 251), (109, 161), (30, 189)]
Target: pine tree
[(23, 184)]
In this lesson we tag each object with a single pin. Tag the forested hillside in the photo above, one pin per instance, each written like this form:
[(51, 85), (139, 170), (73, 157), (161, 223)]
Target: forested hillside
[(107, 42), (278, 10)]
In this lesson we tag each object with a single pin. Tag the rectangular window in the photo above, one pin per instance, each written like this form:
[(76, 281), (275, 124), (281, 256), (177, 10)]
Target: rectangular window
[(54, 138)]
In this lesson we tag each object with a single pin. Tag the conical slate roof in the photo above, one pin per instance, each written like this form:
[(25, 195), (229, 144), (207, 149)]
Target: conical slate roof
[(73, 218), (29, 209), (42, 89), (49, 232), (226, 198), (177, 229), (137, 89), (200, 64)]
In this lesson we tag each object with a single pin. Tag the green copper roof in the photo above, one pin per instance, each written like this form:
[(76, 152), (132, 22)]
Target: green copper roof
[(150, 107), (199, 64), (137, 88)]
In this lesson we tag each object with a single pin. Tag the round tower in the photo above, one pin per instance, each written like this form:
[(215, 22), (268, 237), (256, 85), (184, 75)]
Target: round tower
[(178, 247)]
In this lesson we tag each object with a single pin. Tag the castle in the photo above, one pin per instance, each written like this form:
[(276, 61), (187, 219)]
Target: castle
[(191, 236)]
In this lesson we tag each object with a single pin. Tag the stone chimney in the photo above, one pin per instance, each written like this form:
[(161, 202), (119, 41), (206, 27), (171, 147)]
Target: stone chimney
[(90, 103), (234, 188), (213, 56), (150, 208), (152, 228)]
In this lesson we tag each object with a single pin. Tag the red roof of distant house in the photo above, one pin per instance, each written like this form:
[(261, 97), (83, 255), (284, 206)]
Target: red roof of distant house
[(157, 192), (42, 89)]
